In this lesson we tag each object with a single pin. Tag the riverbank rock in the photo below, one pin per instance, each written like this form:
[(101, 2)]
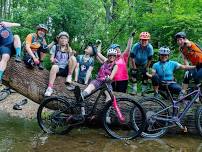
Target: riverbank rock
[(28, 111)]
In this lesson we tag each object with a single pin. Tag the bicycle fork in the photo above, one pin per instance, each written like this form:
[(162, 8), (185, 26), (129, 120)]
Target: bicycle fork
[(118, 111)]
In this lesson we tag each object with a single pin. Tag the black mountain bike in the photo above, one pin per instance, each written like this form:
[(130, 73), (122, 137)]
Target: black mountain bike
[(58, 115)]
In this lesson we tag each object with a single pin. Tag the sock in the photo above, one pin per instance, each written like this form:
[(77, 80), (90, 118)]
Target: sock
[(84, 94), (1, 74), (18, 51), (50, 85), (134, 87)]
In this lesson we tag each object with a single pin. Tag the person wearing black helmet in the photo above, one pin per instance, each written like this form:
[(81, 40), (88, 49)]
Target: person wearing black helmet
[(85, 64), (36, 47), (163, 70), (192, 53)]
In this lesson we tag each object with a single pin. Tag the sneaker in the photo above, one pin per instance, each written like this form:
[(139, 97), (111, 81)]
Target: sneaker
[(48, 92), (17, 58), (69, 79), (40, 66)]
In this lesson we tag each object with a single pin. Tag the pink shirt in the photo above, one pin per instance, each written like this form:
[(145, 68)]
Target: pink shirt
[(122, 72)]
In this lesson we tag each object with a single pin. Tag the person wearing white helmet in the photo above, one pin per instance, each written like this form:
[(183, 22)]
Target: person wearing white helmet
[(106, 72), (63, 60), (163, 70), (36, 47)]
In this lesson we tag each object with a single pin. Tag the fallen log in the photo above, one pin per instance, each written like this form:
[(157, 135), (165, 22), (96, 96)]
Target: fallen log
[(32, 83)]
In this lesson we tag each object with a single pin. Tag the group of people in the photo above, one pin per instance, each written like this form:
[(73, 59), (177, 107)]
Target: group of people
[(114, 67)]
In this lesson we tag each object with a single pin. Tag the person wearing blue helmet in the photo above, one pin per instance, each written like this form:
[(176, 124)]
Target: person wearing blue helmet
[(163, 71)]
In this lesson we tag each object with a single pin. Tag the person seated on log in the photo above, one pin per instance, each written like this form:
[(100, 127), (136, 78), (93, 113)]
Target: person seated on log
[(191, 52), (106, 72), (84, 66), (141, 58), (36, 47), (63, 60), (120, 82), (9, 43), (163, 71)]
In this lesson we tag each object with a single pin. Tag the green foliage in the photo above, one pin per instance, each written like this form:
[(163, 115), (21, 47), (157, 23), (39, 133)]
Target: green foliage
[(111, 20)]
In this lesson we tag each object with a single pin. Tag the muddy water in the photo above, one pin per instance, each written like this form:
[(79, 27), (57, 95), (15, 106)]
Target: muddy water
[(18, 135)]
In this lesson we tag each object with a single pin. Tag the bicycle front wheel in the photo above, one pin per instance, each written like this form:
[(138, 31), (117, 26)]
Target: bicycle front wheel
[(52, 115), (123, 129), (156, 115), (199, 119)]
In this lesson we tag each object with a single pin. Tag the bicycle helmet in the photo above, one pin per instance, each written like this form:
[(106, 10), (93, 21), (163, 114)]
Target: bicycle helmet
[(112, 52), (164, 51), (144, 36), (42, 26), (114, 46), (63, 34), (180, 35)]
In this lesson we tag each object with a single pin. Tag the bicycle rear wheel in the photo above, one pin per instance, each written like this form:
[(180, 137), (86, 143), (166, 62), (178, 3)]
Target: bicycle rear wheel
[(154, 109), (198, 117), (123, 130), (52, 115)]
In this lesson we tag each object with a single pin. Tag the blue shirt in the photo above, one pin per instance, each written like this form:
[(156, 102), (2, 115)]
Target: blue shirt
[(84, 66), (165, 70), (141, 54), (6, 36)]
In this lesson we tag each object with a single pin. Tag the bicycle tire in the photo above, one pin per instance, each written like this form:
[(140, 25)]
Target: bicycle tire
[(154, 128), (198, 121), (4, 95), (120, 130), (52, 115)]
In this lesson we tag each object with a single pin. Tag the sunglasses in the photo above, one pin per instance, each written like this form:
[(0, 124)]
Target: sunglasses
[(163, 54), (111, 55)]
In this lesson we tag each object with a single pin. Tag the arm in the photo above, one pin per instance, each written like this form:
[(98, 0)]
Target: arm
[(186, 67), (149, 63), (133, 63), (9, 24), (88, 74), (101, 57), (113, 72), (185, 60), (76, 72), (128, 49), (51, 44)]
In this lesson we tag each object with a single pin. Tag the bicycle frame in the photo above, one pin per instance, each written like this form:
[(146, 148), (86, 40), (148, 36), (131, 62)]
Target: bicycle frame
[(197, 93), (102, 89)]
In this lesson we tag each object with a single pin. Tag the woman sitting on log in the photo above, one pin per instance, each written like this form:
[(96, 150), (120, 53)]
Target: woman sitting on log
[(64, 62), (106, 71)]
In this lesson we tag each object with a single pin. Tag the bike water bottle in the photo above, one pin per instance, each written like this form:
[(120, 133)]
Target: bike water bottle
[(175, 109)]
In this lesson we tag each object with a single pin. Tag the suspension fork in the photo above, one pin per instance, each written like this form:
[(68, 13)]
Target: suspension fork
[(117, 109)]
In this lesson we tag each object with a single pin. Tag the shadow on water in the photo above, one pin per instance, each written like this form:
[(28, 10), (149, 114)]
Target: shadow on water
[(19, 135)]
